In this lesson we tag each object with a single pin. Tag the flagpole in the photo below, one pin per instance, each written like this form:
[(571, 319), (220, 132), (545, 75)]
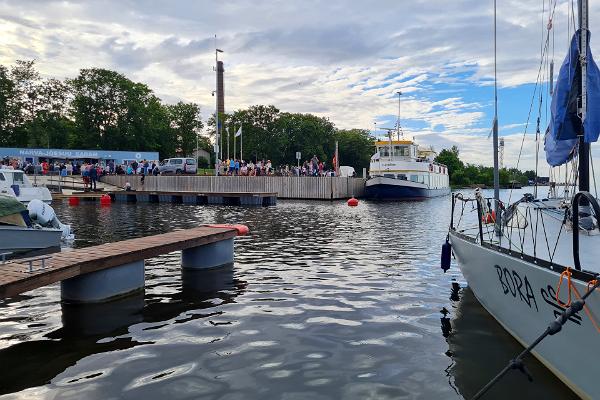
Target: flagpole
[(227, 129), (241, 143), (234, 137)]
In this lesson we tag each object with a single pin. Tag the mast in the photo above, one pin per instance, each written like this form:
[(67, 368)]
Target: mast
[(584, 148), (495, 138), (398, 127)]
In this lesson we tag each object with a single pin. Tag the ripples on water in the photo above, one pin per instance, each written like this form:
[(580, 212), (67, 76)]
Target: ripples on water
[(323, 302)]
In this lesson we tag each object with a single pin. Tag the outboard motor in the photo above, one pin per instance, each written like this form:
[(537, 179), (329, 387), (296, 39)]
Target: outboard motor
[(44, 215)]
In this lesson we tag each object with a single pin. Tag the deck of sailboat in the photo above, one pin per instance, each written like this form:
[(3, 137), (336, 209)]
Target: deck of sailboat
[(545, 237)]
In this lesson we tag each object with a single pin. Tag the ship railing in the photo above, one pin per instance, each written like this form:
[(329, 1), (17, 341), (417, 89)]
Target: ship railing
[(523, 231)]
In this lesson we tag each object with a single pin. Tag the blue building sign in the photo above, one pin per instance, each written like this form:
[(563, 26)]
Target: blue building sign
[(37, 155)]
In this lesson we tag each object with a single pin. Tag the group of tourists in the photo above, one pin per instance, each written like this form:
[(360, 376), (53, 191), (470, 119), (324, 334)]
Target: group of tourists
[(312, 167)]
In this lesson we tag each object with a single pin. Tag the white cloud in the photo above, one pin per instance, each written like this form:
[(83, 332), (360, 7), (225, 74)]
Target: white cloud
[(343, 60)]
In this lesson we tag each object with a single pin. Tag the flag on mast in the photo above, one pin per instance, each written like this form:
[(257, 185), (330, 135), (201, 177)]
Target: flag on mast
[(239, 132)]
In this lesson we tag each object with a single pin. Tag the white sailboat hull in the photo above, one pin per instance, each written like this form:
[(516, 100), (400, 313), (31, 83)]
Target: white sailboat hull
[(520, 295)]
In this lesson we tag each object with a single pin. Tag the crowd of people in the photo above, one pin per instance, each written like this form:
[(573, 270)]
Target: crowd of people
[(312, 167), (90, 172)]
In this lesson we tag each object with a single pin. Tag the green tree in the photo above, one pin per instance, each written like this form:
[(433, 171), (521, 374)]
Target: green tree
[(7, 100), (186, 124), (450, 159), (356, 146)]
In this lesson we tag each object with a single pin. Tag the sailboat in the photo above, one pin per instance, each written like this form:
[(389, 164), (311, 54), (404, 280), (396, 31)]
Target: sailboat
[(526, 262)]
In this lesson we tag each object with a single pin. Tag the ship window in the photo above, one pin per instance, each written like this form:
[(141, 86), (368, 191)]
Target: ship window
[(17, 177), (414, 178), (2, 178), (389, 176), (402, 177), (384, 151)]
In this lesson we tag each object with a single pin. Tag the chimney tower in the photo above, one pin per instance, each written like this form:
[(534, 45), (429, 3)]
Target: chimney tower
[(220, 88)]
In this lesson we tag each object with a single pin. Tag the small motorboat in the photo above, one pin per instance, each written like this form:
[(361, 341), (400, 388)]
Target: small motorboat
[(15, 183), (32, 228)]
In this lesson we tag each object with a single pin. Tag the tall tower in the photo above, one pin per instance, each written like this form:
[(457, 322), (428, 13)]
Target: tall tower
[(501, 153), (220, 88)]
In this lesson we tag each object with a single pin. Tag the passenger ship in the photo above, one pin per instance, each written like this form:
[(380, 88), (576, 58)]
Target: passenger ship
[(399, 170)]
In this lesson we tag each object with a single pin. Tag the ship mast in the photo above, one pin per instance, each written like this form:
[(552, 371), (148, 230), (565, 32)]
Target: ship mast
[(495, 139), (584, 148)]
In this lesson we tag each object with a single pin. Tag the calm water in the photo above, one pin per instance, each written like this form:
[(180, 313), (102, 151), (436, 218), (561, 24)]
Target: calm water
[(323, 302)]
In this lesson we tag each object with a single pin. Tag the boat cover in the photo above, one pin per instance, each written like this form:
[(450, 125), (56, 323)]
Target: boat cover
[(565, 124), (10, 205)]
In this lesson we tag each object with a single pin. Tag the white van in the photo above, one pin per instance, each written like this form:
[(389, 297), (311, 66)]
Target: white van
[(178, 166), (346, 171)]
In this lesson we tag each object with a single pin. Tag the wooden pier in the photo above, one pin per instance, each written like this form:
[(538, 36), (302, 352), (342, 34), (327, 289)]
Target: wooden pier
[(85, 273), (222, 198), (285, 187)]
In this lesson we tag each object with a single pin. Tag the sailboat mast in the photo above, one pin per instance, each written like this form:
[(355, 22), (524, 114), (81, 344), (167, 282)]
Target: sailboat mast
[(495, 138), (584, 148)]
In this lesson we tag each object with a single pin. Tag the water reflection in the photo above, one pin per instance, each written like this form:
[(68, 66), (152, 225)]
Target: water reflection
[(89, 329), (480, 348)]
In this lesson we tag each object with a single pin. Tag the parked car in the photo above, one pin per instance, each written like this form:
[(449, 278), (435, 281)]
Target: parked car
[(178, 166), (347, 171)]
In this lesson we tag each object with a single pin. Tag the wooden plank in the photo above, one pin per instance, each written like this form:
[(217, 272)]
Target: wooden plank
[(15, 279)]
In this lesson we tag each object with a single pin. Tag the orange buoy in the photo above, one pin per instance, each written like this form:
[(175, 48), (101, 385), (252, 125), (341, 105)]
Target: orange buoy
[(352, 202), (73, 201), (105, 200), (242, 230)]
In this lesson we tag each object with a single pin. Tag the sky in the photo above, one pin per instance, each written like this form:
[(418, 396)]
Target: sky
[(344, 60)]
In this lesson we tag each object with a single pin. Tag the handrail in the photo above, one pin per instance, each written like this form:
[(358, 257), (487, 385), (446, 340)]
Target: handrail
[(592, 201)]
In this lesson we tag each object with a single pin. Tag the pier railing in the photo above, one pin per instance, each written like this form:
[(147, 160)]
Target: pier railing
[(316, 188)]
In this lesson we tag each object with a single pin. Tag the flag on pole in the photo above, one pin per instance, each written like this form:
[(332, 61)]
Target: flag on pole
[(239, 132)]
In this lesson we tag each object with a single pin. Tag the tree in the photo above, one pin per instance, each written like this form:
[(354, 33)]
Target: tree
[(186, 125), (356, 146), (111, 111), (450, 159), (7, 99)]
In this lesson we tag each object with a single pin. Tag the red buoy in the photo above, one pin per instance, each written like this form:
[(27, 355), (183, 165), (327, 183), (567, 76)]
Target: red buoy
[(352, 202), (73, 201), (105, 200)]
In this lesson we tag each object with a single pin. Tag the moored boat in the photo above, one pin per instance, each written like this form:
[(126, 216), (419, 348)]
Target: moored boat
[(33, 228), (399, 170), (529, 262), (15, 183)]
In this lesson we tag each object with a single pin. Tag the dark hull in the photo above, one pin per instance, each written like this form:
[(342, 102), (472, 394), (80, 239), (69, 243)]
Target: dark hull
[(398, 192)]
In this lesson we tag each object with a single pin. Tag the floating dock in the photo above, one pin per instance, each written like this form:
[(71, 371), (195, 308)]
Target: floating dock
[(104, 272), (222, 198)]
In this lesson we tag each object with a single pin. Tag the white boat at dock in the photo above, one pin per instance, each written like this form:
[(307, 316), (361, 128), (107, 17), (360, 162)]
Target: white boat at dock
[(32, 228), (399, 170), (16, 183)]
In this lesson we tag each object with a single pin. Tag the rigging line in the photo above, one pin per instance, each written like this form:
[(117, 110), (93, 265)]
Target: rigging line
[(558, 237), (537, 83), (593, 173), (553, 328), (545, 234)]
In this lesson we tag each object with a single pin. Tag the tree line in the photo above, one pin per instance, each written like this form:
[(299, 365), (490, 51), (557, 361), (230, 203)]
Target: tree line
[(463, 175), (97, 109), (103, 109)]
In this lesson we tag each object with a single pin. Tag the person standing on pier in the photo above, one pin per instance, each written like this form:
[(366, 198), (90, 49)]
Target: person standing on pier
[(93, 172)]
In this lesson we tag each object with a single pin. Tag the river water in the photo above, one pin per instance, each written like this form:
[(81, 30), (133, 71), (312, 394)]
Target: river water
[(324, 302)]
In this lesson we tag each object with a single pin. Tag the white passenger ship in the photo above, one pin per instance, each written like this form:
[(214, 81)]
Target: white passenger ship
[(399, 170)]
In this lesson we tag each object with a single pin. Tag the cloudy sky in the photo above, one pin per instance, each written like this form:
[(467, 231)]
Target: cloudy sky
[(344, 60)]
